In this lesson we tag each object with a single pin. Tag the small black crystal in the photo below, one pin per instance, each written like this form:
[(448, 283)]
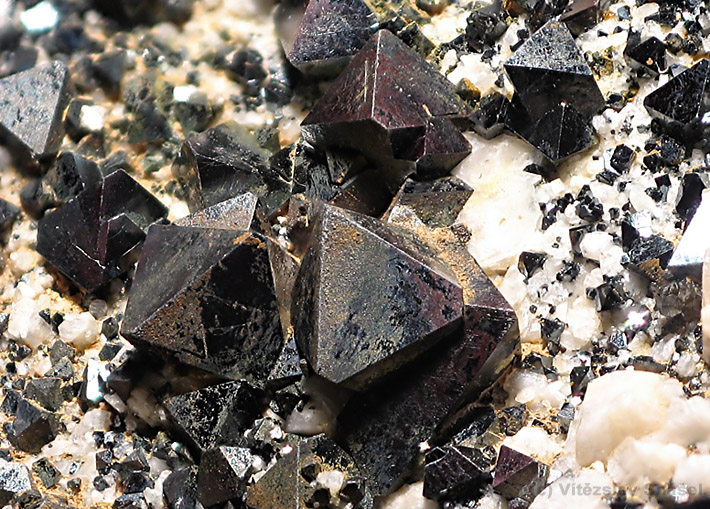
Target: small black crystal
[(548, 69), (223, 475), (330, 33), (581, 15), (32, 108), (436, 203), (180, 489), (214, 416), (72, 174), (650, 255), (221, 163), (91, 238), (529, 263), (518, 475), (454, 472), (32, 428), (649, 54)]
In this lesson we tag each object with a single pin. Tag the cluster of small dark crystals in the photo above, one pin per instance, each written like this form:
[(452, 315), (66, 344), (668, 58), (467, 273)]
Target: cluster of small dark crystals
[(328, 274)]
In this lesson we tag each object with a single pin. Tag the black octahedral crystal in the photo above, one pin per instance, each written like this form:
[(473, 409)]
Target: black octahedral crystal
[(214, 416), (383, 427), (382, 103), (682, 102), (32, 104), (436, 203), (549, 68), (93, 237), (518, 475), (224, 162), (290, 482), (455, 472), (207, 296), (329, 34), (368, 299)]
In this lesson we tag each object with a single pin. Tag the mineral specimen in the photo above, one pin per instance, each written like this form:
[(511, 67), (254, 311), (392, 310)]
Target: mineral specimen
[(217, 309), (223, 474), (214, 416), (32, 109), (91, 237), (436, 203), (221, 163), (455, 473), (382, 102), (367, 299), (330, 33), (549, 69), (518, 475), (382, 429)]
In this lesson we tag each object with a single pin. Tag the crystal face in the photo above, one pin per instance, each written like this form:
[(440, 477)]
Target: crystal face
[(31, 108)]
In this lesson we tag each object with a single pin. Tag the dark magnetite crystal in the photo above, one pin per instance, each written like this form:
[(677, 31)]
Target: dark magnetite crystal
[(382, 429), (382, 103), (549, 68), (32, 105), (93, 237), (214, 416), (329, 34), (368, 299), (436, 203), (518, 475), (207, 297)]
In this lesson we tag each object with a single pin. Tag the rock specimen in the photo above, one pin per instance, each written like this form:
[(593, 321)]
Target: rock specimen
[(383, 101), (518, 476), (436, 203), (224, 162), (329, 34), (368, 299), (32, 105), (381, 428), (92, 237), (549, 68), (214, 416), (217, 310)]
